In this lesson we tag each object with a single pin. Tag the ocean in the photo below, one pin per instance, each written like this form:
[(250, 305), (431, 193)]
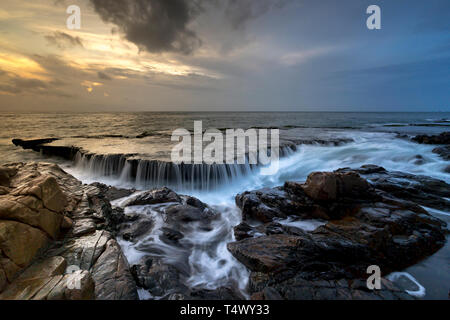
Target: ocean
[(322, 141)]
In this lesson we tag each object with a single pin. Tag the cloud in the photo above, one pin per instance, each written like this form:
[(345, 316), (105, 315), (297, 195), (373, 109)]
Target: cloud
[(165, 25), (155, 25), (103, 76), (63, 40)]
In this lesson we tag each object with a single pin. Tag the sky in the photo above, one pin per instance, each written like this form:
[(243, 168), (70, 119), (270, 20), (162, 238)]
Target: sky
[(224, 55)]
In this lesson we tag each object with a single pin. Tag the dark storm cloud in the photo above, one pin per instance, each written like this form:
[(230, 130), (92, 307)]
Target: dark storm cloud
[(163, 25), (155, 25), (63, 40)]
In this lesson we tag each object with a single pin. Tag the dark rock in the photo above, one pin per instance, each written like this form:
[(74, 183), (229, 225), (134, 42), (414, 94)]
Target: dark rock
[(113, 193), (330, 186), (443, 138), (170, 236), (136, 229), (156, 196), (159, 278), (366, 226), (444, 152), (419, 189)]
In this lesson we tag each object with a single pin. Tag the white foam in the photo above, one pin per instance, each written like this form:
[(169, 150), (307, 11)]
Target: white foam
[(419, 293), (306, 225), (144, 294)]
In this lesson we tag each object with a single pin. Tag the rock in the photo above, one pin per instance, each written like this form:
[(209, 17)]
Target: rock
[(3, 280), (113, 193), (45, 269), (182, 214), (83, 227), (5, 176), (418, 189), (78, 285), (137, 229), (48, 204), (34, 282), (266, 254), (46, 189), (38, 203), (159, 278), (222, 293), (330, 186), (164, 195), (111, 273), (365, 226), (443, 138), (66, 223), (444, 152), (170, 236), (20, 242)]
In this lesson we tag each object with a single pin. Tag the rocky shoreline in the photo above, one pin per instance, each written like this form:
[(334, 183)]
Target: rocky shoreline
[(59, 238), (51, 223)]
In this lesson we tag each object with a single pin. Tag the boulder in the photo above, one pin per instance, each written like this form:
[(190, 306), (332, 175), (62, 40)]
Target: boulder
[(6, 174), (443, 138), (163, 195), (330, 186), (443, 151), (20, 242), (112, 276)]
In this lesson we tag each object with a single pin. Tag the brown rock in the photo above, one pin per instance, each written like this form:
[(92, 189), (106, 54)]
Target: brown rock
[(29, 210), (265, 254), (78, 285), (112, 275), (45, 188), (5, 175), (329, 186), (20, 242)]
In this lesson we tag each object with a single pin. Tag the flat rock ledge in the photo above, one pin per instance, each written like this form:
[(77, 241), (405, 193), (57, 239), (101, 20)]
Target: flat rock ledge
[(362, 224), (57, 237)]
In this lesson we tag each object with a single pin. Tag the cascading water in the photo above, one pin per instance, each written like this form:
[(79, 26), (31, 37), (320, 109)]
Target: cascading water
[(145, 174)]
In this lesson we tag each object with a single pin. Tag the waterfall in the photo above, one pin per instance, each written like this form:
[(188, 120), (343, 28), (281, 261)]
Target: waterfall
[(146, 174)]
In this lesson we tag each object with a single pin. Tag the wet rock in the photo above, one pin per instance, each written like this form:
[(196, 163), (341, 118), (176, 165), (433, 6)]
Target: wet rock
[(444, 152), (330, 186), (39, 203), (5, 176), (222, 293), (159, 278), (83, 227), (365, 226), (170, 236), (137, 229), (164, 195), (46, 280), (443, 138), (266, 254), (113, 193), (112, 276), (20, 242), (56, 217), (419, 189), (179, 216)]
